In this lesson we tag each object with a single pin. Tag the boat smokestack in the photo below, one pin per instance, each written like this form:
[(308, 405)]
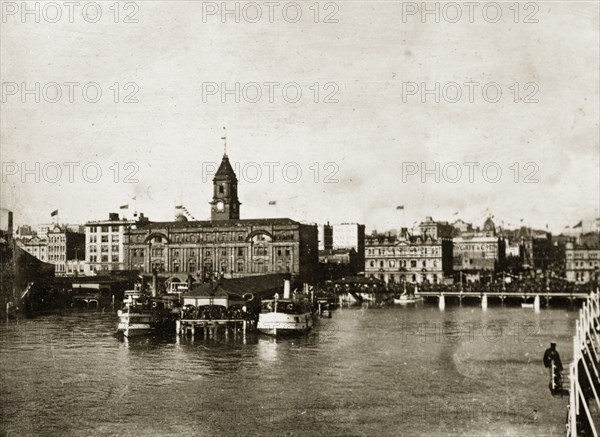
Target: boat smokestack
[(154, 283), (286, 289)]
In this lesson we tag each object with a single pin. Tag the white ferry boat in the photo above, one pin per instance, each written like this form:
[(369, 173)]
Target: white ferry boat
[(405, 299), (285, 316), (142, 315)]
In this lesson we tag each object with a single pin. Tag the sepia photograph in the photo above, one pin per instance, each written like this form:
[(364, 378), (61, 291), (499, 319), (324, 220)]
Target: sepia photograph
[(348, 218)]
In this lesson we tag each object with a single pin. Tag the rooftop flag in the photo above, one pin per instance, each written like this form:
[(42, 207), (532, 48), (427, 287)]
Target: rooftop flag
[(53, 213), (124, 207), (400, 207), (272, 202)]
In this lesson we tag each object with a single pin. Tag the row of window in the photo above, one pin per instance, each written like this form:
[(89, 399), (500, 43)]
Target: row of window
[(104, 258), (104, 228), (211, 237), (240, 251), (224, 267), (404, 251), (403, 263), (104, 239), (405, 278), (104, 248), (583, 255), (591, 264)]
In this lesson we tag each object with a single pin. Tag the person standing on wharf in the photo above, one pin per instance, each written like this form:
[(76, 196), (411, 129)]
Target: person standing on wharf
[(552, 362)]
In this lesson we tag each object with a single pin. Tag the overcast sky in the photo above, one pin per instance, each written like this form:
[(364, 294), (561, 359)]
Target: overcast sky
[(369, 142)]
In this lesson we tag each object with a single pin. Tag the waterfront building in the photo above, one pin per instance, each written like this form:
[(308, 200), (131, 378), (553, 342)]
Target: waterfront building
[(462, 227), (75, 267), (35, 246), (64, 245), (406, 258), (583, 260), (536, 250), (24, 232), (42, 230), (325, 237), (479, 251), (225, 246), (435, 229), (350, 236), (104, 243), (338, 263)]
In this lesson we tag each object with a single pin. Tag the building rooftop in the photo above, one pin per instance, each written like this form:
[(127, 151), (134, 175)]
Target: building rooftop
[(260, 286), (225, 169), (219, 223)]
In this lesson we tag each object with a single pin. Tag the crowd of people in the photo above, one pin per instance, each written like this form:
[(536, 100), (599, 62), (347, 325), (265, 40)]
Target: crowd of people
[(526, 285)]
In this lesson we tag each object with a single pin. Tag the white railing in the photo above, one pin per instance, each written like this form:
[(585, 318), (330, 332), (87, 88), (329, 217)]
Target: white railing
[(586, 342)]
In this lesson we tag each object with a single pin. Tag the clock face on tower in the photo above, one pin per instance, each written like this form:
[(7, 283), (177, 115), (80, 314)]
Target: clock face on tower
[(220, 206)]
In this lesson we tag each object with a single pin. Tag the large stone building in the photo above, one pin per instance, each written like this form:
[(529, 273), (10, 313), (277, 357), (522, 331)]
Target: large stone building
[(583, 260), (35, 246), (479, 251), (225, 246), (64, 244), (104, 243), (408, 258)]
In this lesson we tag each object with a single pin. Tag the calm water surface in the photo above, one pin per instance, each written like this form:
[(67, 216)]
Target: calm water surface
[(366, 372)]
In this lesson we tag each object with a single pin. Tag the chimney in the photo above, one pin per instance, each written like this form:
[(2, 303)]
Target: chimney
[(286, 289)]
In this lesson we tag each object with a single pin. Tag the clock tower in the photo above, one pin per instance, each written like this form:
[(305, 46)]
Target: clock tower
[(225, 204)]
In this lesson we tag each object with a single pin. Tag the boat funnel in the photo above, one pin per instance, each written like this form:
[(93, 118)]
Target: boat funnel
[(286, 289), (154, 283)]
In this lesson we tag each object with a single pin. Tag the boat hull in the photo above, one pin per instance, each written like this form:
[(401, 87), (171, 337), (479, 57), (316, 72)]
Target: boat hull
[(140, 324), (284, 324), (407, 301)]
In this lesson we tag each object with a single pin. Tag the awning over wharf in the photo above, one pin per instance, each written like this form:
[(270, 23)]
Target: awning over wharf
[(227, 292)]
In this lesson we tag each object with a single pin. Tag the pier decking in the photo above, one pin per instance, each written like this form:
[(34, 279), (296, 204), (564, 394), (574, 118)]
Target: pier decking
[(503, 295), (211, 328)]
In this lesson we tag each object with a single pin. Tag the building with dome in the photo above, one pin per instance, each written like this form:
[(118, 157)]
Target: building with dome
[(225, 245)]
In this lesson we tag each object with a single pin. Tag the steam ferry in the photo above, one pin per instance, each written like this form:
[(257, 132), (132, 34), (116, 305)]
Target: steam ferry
[(285, 316)]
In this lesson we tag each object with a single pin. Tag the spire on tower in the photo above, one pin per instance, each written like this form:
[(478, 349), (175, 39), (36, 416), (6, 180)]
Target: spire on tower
[(224, 138)]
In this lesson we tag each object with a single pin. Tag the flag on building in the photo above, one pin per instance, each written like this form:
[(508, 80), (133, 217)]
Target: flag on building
[(578, 225), (272, 202), (53, 213), (400, 207), (124, 207)]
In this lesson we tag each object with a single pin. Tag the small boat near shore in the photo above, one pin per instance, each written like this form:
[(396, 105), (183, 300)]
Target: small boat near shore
[(405, 299)]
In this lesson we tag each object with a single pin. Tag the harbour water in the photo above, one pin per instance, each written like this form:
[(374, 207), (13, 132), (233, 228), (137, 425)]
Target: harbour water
[(366, 372)]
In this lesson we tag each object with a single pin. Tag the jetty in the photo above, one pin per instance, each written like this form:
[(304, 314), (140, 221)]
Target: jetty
[(212, 329), (502, 296)]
